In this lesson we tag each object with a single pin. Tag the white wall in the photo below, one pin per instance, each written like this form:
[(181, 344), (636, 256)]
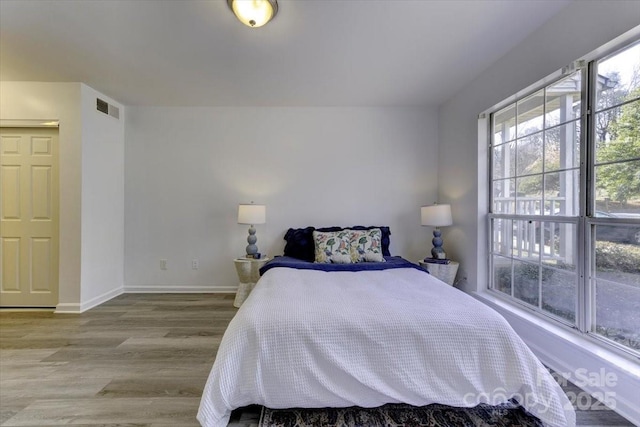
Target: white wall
[(577, 30), (102, 274), (59, 101), (188, 168), (91, 186)]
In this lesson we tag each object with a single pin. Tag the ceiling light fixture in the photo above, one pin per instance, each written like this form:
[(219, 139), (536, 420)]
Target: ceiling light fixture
[(254, 13)]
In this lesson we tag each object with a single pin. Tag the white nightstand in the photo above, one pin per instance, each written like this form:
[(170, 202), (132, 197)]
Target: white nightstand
[(444, 272), (248, 274)]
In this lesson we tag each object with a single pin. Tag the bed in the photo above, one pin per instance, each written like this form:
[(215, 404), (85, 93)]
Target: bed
[(315, 335)]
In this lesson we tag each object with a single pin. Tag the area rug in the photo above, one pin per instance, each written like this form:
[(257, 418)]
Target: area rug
[(399, 415)]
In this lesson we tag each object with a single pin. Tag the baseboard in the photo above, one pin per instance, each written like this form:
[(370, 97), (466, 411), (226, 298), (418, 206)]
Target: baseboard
[(68, 308), (77, 308), (594, 368), (94, 302), (179, 289)]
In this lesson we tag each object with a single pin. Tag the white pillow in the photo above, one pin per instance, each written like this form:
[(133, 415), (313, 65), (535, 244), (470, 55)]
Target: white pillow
[(332, 247), (366, 245)]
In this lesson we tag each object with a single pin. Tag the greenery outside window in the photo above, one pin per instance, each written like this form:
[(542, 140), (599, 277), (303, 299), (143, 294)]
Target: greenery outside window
[(565, 199)]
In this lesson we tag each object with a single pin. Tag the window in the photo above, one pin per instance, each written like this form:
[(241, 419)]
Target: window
[(565, 198)]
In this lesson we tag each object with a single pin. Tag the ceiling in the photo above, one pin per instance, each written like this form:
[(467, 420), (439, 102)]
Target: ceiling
[(314, 52)]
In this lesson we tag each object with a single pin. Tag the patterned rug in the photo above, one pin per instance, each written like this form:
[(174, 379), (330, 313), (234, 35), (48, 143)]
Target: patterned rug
[(400, 415)]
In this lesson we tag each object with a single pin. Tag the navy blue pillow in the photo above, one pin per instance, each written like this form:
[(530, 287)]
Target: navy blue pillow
[(300, 240), (300, 244)]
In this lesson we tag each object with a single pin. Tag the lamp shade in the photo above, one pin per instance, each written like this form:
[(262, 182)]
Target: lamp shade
[(254, 13), (252, 214), (436, 215)]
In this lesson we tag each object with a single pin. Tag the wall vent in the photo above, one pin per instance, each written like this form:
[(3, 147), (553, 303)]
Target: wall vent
[(106, 108)]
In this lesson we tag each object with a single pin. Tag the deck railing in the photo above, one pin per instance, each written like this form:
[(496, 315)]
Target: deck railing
[(532, 239)]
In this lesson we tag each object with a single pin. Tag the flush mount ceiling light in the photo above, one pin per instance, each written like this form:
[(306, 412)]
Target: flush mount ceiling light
[(254, 13)]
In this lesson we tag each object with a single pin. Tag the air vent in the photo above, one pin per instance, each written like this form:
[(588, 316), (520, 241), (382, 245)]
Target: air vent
[(105, 107), (102, 106), (114, 112)]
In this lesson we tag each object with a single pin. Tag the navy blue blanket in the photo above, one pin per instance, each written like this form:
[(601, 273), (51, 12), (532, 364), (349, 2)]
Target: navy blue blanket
[(391, 262)]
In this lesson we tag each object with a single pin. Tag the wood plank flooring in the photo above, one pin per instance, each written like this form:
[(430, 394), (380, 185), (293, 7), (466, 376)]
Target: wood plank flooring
[(137, 360), (140, 359)]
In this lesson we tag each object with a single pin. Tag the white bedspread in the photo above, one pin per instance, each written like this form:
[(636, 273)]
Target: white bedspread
[(314, 339)]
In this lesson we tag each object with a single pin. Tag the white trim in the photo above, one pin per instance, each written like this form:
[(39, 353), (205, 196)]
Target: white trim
[(564, 350), (75, 308), (68, 308), (94, 302), (29, 123), (180, 289), (483, 201)]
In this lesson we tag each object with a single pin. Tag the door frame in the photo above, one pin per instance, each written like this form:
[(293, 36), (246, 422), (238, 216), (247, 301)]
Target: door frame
[(40, 124)]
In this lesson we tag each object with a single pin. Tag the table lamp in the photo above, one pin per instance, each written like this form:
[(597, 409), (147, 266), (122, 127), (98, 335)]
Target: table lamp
[(436, 216), (251, 215)]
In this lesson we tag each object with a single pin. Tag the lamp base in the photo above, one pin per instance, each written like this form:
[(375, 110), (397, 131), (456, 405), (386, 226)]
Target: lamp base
[(438, 255), (252, 248), (437, 252)]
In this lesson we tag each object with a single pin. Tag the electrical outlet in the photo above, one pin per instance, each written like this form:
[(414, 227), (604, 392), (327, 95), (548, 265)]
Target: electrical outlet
[(195, 264), (163, 264)]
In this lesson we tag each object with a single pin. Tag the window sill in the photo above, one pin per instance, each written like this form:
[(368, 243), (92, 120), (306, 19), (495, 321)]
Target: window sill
[(626, 362)]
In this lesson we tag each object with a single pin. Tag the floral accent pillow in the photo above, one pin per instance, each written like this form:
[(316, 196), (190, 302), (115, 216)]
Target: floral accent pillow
[(332, 247), (366, 245)]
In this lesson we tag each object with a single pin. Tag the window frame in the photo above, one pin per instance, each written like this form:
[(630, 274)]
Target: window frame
[(585, 221)]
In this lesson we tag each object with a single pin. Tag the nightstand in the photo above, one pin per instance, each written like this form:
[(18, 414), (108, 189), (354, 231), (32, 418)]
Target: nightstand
[(444, 272), (248, 274)]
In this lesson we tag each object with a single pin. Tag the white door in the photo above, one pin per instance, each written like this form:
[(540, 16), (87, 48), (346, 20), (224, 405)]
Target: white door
[(29, 217)]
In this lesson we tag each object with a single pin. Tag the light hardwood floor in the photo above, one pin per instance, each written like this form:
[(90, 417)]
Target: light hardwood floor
[(137, 360)]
